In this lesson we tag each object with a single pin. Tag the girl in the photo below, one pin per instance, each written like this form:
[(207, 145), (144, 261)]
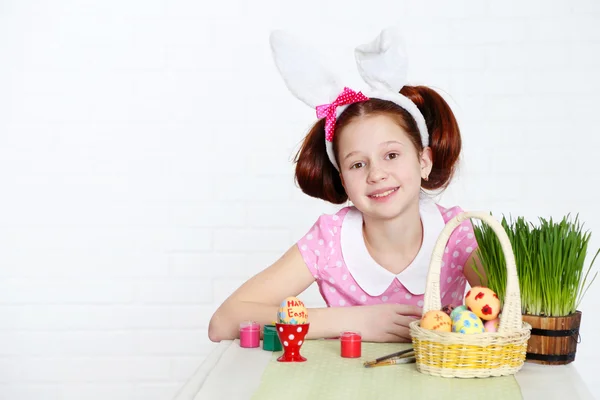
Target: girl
[(379, 151)]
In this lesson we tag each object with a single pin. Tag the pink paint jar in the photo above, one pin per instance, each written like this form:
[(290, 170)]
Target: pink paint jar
[(351, 344), (249, 334)]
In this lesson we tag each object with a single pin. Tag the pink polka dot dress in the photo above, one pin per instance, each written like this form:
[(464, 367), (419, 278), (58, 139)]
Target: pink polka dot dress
[(336, 255)]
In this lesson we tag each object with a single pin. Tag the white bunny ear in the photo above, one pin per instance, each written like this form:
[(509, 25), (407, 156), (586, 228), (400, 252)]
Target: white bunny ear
[(302, 70), (383, 62)]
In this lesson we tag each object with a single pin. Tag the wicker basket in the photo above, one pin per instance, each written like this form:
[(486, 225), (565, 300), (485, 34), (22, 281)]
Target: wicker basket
[(456, 355)]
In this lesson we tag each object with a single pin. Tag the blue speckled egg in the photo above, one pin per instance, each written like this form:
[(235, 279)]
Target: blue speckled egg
[(466, 322)]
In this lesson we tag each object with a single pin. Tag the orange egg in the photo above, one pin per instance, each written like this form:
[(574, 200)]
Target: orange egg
[(436, 320), (483, 302)]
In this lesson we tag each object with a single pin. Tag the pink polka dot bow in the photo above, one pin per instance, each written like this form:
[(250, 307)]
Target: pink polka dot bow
[(328, 111)]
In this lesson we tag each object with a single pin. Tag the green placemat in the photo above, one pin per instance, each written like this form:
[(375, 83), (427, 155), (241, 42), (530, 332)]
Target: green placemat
[(325, 375)]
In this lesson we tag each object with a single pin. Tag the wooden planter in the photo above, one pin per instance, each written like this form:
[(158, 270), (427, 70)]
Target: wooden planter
[(553, 340)]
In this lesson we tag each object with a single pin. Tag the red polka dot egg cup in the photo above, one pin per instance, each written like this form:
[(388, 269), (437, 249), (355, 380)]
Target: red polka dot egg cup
[(291, 337)]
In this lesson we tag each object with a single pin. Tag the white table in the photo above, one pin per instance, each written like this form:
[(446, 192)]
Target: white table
[(232, 373)]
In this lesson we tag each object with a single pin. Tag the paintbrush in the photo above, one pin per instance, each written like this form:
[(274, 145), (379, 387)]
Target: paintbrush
[(404, 353), (393, 361)]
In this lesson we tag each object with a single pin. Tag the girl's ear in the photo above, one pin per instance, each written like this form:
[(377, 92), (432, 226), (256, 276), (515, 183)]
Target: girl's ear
[(426, 161)]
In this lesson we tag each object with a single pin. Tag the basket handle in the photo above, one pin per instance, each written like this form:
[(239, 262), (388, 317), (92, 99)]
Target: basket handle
[(511, 318)]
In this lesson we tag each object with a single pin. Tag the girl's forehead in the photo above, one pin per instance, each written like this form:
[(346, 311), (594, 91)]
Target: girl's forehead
[(372, 130)]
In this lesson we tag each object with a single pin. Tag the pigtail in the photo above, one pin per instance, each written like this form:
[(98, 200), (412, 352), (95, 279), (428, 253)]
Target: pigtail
[(444, 135), (315, 174)]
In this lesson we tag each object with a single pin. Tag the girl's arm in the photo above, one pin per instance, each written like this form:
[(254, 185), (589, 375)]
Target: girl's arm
[(258, 300)]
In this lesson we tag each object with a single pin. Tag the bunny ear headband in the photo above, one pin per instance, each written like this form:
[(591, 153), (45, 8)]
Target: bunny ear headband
[(382, 64)]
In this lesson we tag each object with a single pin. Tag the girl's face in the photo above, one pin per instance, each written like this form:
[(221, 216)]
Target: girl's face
[(380, 167)]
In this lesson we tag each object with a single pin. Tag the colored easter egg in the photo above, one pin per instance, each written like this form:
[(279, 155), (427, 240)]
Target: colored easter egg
[(491, 325), (466, 322), (456, 311), (436, 320), (483, 302), (292, 311)]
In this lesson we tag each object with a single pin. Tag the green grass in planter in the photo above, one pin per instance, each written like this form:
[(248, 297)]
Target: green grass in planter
[(550, 258)]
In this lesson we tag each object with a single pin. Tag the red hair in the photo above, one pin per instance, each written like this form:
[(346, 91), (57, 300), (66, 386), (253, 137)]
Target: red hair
[(317, 177)]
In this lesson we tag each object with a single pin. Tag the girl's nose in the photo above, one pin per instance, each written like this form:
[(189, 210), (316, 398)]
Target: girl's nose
[(376, 174)]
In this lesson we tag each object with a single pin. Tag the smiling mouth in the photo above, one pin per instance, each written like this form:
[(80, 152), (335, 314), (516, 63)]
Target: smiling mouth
[(384, 194)]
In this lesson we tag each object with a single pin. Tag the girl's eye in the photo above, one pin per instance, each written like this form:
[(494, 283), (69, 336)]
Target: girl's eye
[(392, 156), (357, 165)]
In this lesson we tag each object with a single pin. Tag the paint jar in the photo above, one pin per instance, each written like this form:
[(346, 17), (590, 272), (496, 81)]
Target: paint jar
[(271, 340), (249, 334), (351, 344)]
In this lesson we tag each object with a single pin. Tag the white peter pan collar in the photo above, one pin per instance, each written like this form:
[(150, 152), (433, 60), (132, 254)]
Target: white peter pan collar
[(372, 277)]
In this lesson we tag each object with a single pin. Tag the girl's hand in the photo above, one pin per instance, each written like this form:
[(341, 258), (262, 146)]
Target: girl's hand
[(386, 322)]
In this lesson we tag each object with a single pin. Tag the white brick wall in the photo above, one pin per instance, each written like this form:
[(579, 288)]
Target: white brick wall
[(145, 152)]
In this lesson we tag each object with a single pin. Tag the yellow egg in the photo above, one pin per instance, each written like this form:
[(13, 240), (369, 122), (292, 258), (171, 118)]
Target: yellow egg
[(483, 302), (467, 322), (292, 311), (437, 321)]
